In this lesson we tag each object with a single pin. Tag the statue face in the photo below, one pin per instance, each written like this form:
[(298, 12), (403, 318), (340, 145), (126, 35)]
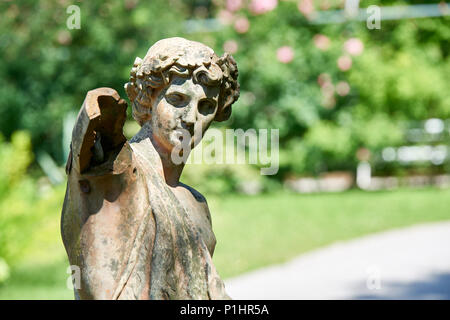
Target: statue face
[(180, 108)]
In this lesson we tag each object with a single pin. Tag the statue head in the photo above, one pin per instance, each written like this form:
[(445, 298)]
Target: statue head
[(181, 85)]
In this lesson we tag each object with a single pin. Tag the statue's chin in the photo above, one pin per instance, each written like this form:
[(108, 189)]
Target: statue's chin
[(181, 147), (182, 142)]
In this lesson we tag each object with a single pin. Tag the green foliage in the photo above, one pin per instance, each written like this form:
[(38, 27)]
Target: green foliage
[(401, 75), (25, 204), (408, 84), (15, 157), (377, 132), (47, 69), (4, 270), (220, 179), (29, 211)]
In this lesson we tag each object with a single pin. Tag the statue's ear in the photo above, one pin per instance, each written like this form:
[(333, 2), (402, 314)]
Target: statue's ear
[(230, 87), (228, 96)]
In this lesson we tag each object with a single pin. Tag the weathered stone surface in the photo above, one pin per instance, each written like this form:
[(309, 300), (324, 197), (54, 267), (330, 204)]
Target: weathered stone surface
[(134, 230)]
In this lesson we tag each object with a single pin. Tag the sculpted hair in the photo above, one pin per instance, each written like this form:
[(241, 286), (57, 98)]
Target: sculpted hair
[(184, 58)]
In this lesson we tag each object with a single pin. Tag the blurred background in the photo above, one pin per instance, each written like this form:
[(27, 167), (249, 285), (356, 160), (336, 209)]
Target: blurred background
[(362, 107)]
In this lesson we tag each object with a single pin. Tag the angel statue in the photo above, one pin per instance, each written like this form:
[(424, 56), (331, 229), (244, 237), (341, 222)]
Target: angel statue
[(128, 224)]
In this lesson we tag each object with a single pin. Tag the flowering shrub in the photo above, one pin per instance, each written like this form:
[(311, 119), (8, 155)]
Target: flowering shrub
[(332, 89)]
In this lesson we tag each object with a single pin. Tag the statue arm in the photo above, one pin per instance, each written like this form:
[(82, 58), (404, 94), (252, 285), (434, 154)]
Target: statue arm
[(98, 133), (100, 205)]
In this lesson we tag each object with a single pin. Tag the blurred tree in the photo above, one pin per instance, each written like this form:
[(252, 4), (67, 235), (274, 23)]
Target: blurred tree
[(47, 69), (333, 88), (16, 192)]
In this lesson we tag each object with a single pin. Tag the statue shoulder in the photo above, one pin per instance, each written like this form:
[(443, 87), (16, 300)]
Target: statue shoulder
[(196, 194), (97, 137)]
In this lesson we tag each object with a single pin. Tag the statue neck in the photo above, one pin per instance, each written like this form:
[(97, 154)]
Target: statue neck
[(164, 164)]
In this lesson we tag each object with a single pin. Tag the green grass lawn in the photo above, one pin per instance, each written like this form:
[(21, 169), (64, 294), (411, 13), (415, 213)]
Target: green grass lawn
[(256, 231)]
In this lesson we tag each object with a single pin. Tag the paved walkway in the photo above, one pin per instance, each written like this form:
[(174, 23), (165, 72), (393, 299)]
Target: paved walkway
[(409, 263)]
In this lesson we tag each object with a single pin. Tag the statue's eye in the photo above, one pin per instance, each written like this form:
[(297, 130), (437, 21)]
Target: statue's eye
[(175, 99), (206, 107)]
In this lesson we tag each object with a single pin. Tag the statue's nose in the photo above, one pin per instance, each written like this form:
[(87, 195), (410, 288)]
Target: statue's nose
[(190, 114)]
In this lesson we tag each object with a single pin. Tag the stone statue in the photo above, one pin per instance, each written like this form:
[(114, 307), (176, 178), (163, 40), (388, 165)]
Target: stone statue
[(130, 226)]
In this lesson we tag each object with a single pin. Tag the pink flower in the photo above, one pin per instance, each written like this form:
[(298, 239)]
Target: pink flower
[(64, 37), (233, 5), (342, 88), (285, 54), (241, 25), (230, 46), (354, 46), (225, 17), (363, 154), (327, 88), (321, 42), (328, 101), (262, 6), (323, 78), (325, 5), (344, 63), (130, 4), (306, 7)]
